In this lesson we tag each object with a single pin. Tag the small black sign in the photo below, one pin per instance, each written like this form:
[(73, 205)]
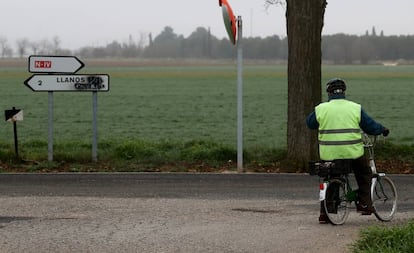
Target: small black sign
[(9, 114)]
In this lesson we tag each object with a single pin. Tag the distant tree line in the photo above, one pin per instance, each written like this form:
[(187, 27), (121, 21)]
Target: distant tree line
[(337, 48)]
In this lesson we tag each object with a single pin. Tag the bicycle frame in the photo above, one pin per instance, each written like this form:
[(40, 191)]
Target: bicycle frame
[(369, 145), (351, 194)]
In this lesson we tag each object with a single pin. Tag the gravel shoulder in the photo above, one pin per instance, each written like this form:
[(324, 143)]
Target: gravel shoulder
[(179, 212), (91, 224)]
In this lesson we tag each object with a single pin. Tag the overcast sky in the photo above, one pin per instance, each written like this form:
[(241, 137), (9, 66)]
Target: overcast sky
[(97, 22)]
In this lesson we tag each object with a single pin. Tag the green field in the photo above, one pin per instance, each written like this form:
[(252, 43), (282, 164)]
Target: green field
[(197, 102)]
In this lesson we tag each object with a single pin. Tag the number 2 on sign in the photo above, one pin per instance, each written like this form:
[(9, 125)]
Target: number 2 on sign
[(39, 82)]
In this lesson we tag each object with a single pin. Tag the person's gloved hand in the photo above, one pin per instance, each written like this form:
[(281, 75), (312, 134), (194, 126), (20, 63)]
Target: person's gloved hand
[(386, 132)]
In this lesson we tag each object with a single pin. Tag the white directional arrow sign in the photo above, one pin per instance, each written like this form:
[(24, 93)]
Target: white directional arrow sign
[(94, 82), (54, 64)]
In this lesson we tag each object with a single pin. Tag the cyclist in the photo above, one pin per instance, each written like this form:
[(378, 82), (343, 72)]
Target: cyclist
[(339, 122)]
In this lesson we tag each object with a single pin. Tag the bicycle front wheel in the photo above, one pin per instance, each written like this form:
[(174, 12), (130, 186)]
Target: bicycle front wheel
[(336, 203), (384, 198)]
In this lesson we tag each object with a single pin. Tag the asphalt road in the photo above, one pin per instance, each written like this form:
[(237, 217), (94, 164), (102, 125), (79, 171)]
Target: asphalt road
[(175, 212)]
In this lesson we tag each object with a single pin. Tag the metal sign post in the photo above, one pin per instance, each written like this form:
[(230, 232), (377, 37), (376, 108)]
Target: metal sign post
[(14, 115), (50, 127), (239, 95), (94, 126), (234, 29)]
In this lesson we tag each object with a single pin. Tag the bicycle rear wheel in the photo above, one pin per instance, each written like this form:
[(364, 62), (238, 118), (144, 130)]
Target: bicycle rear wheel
[(384, 198), (335, 203)]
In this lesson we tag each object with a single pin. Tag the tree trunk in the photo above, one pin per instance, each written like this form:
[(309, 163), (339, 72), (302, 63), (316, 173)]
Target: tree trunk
[(304, 26)]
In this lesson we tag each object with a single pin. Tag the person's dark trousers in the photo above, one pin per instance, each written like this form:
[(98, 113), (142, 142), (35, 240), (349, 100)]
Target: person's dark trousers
[(363, 176)]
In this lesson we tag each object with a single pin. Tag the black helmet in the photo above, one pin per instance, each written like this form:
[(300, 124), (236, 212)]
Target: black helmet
[(336, 86)]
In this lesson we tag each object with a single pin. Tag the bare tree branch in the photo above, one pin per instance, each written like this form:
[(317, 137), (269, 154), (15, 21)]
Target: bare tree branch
[(274, 2)]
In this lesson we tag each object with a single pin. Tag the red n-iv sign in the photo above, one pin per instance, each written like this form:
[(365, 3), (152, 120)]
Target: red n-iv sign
[(43, 64)]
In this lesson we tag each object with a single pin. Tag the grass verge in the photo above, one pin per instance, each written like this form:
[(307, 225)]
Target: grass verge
[(137, 155), (381, 239)]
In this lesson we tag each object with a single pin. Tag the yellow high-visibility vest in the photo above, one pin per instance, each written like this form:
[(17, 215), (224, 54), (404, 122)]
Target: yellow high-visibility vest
[(340, 136)]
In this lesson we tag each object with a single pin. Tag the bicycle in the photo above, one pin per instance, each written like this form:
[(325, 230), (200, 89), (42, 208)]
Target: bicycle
[(336, 193)]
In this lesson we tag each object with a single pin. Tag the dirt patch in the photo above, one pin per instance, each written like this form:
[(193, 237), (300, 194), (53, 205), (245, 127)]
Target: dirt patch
[(23, 166)]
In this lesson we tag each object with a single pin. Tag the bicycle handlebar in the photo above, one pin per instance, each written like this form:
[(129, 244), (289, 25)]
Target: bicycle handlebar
[(370, 142)]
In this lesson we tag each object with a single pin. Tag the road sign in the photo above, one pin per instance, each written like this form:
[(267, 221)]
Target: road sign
[(90, 82), (54, 64), (57, 73), (13, 115)]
